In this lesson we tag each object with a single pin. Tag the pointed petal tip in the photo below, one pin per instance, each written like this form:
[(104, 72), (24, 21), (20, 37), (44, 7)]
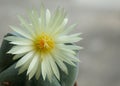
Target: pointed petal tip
[(47, 10), (78, 60), (10, 26), (14, 58), (37, 77), (9, 52), (29, 77), (81, 39), (5, 38), (80, 48), (44, 77), (19, 72), (73, 64), (27, 73), (66, 72), (16, 66), (58, 78)]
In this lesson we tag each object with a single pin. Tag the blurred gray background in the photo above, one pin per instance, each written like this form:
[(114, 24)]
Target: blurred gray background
[(99, 21)]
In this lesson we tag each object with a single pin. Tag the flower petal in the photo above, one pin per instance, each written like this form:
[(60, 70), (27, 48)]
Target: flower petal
[(21, 32), (18, 40), (61, 56), (43, 68), (48, 16), (33, 63), (54, 68), (34, 18), (61, 64), (20, 49), (47, 71), (17, 56), (60, 28), (28, 27), (24, 67), (65, 50), (42, 14), (33, 66), (38, 72), (71, 47), (69, 38), (24, 59), (69, 29), (56, 20), (71, 57)]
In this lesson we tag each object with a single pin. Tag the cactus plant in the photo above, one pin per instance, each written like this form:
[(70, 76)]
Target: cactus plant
[(9, 75), (42, 49)]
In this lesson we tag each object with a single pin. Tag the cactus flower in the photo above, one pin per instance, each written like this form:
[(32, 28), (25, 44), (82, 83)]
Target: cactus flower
[(41, 44)]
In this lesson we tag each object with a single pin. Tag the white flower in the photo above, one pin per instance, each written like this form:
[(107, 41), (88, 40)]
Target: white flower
[(40, 44)]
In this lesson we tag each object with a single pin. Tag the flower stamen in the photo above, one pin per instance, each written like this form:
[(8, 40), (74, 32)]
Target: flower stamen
[(44, 43)]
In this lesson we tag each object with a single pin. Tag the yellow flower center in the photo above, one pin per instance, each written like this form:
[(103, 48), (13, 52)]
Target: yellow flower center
[(44, 43)]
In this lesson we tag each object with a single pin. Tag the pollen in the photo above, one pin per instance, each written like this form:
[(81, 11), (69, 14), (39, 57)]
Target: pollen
[(44, 43)]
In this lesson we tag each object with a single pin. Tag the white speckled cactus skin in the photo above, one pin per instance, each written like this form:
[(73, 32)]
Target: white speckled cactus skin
[(9, 74)]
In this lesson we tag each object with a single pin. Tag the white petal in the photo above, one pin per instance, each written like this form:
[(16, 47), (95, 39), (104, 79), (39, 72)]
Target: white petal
[(71, 47), (24, 67), (59, 17), (75, 35), (40, 29), (65, 22), (65, 58), (18, 56), (46, 68), (15, 38), (28, 27), (54, 68), (43, 68), (48, 16), (69, 29), (33, 67), (42, 14), (69, 38), (24, 59), (39, 21), (71, 57), (66, 50), (18, 40), (34, 18), (20, 49), (56, 20), (60, 64), (33, 63), (60, 28), (49, 69), (21, 32), (38, 72), (22, 42)]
